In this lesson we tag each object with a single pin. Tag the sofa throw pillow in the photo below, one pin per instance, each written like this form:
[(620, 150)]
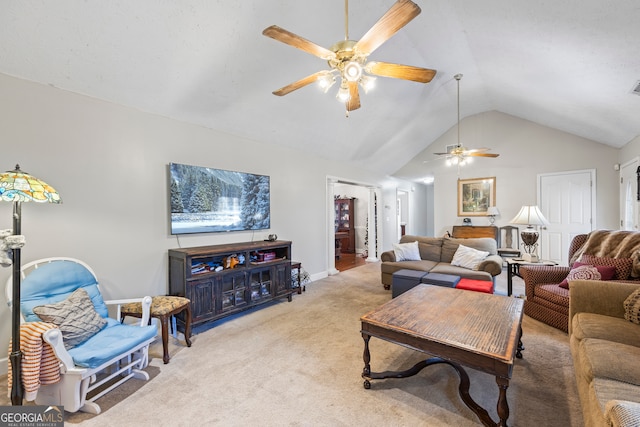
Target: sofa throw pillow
[(632, 307), (468, 257), (406, 251), (606, 273), (623, 265), (75, 316)]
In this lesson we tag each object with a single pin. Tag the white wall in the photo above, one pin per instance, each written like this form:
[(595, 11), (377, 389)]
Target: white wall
[(110, 165), (630, 151), (526, 149)]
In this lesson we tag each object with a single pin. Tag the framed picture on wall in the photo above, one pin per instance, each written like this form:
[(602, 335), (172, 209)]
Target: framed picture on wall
[(476, 195)]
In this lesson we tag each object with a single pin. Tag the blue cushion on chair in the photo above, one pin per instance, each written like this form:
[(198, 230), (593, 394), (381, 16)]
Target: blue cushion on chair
[(114, 340), (54, 282)]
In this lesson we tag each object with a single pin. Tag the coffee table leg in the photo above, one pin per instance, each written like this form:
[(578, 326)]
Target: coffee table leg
[(503, 406), (509, 278), (366, 356), (520, 347)]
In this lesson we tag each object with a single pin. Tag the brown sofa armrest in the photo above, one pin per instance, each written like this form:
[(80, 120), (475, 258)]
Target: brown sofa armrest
[(491, 264), (599, 297), (388, 256)]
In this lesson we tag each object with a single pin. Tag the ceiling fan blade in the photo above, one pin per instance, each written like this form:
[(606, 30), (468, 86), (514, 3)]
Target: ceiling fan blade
[(400, 14), (398, 71), (475, 150), (287, 37), (482, 154), (354, 97), (300, 83)]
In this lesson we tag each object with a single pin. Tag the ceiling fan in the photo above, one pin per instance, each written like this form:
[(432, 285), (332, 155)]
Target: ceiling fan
[(347, 58), (458, 154)]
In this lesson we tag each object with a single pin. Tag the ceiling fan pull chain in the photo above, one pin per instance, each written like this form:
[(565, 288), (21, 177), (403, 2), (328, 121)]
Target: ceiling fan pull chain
[(346, 19)]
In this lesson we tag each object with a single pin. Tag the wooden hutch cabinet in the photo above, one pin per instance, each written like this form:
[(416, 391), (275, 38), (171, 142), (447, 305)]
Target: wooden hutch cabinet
[(345, 216), (224, 279)]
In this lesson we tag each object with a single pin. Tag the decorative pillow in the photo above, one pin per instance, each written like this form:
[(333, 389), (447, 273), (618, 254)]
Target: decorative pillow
[(75, 316), (623, 265), (632, 307), (606, 273), (407, 251), (468, 257), (583, 272)]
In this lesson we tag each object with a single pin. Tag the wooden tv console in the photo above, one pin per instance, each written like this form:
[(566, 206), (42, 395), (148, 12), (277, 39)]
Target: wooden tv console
[(262, 274)]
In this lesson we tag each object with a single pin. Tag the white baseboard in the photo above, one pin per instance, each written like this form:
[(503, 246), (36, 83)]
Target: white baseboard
[(318, 276)]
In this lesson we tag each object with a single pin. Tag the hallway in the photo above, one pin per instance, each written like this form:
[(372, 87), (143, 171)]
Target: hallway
[(348, 261)]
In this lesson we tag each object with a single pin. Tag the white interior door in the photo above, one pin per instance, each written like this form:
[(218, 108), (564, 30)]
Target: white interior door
[(628, 196), (567, 200), (402, 210)]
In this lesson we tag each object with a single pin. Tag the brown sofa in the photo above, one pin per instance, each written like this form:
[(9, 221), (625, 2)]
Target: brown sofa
[(437, 253), (549, 303), (605, 349)]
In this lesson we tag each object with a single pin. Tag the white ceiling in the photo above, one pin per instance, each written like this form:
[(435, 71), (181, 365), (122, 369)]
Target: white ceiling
[(568, 64)]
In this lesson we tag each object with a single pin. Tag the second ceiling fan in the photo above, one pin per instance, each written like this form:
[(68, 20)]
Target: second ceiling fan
[(458, 154), (348, 58)]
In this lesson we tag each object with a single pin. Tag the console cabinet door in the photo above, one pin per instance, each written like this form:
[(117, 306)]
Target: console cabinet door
[(203, 299), (282, 278), (234, 294), (261, 284)]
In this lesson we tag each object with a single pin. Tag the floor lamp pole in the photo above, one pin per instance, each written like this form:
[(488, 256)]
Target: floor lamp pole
[(16, 354)]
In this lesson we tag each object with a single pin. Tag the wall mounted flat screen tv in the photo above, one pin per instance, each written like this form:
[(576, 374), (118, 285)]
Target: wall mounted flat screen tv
[(207, 200)]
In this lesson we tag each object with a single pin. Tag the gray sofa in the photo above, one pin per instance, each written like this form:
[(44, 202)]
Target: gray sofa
[(437, 253), (605, 349)]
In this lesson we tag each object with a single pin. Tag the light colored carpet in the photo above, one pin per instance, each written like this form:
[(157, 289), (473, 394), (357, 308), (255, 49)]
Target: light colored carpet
[(299, 363)]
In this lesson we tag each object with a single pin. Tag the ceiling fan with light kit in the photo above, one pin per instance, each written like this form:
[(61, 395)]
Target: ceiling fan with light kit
[(458, 154), (348, 59)]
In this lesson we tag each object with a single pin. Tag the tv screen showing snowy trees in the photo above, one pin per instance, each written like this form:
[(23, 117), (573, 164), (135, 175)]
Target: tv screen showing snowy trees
[(206, 200)]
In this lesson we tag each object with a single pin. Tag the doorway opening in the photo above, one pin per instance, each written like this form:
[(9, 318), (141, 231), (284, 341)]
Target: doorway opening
[(350, 207)]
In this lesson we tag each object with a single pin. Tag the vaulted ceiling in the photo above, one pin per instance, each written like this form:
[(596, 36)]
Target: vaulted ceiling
[(569, 65)]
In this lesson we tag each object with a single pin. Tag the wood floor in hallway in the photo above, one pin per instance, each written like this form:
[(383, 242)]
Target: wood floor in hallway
[(348, 261)]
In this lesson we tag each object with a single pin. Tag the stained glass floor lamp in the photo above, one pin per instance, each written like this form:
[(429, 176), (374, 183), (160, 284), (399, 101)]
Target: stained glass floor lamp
[(17, 187)]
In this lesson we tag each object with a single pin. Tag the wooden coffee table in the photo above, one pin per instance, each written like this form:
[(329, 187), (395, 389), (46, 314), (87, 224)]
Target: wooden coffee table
[(477, 330)]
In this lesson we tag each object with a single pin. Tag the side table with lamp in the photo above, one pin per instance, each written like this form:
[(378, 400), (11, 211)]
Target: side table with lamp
[(530, 216)]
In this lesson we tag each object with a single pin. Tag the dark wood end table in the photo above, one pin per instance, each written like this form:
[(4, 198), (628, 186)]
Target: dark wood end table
[(513, 269), (296, 265)]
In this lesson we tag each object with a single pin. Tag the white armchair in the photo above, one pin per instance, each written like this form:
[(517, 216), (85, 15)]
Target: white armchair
[(90, 363)]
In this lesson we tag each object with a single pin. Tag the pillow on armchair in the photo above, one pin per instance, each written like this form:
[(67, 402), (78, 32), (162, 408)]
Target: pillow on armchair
[(75, 316), (588, 272), (623, 266)]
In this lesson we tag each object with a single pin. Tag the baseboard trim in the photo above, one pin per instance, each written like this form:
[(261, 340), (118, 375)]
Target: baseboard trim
[(318, 276)]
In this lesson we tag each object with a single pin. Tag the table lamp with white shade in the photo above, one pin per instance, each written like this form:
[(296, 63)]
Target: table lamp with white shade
[(492, 213), (530, 216)]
